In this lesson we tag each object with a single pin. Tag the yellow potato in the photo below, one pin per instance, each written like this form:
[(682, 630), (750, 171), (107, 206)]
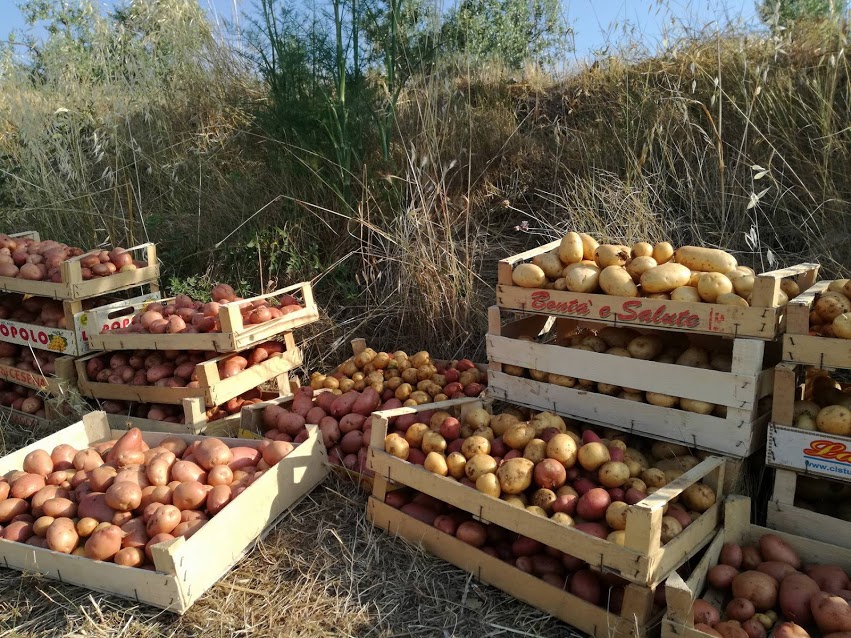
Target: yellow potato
[(611, 255), (570, 251), (550, 263), (665, 278), (528, 276), (581, 277), (589, 245), (732, 299), (744, 285), (791, 288), (642, 249), (705, 259), (838, 285), (615, 280), (712, 284), (699, 407), (663, 252), (746, 270), (834, 419), (662, 400), (685, 293), (842, 326), (638, 266), (695, 277)]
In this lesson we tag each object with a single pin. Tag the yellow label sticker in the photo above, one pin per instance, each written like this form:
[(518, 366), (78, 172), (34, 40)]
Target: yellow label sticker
[(247, 434)]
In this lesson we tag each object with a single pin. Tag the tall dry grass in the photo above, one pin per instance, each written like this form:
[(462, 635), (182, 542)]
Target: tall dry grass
[(734, 140)]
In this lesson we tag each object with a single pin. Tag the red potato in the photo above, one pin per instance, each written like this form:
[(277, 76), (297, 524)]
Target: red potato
[(705, 612), (721, 576), (790, 630), (367, 402), (731, 554), (302, 404), (830, 578), (831, 613), (777, 570), (290, 423), (761, 589), (796, 591), (104, 543), (343, 404), (351, 421), (244, 457), (586, 584), (772, 547)]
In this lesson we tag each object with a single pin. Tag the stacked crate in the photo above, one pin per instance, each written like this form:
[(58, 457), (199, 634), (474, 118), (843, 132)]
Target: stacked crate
[(213, 388), (527, 347), (643, 561), (807, 460), (86, 305)]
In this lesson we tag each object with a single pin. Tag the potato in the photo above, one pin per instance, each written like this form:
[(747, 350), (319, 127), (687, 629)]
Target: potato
[(663, 252), (550, 263), (562, 448), (528, 276), (694, 357), (830, 578), (796, 591), (645, 347), (730, 629), (488, 484), (830, 305), (773, 547), (671, 528), (616, 515), (515, 475), (731, 554), (641, 249), (499, 423), (711, 285), (698, 497), (834, 419), (696, 406), (396, 446), (665, 278), (731, 299), (842, 326), (831, 613), (456, 464), (721, 576), (475, 445), (613, 474), (740, 609), (611, 255), (790, 630), (705, 259), (518, 435), (479, 464), (435, 463), (581, 277), (662, 400), (593, 455), (614, 280), (570, 249), (743, 286), (761, 589), (638, 266), (535, 450), (586, 585), (62, 536), (589, 246)]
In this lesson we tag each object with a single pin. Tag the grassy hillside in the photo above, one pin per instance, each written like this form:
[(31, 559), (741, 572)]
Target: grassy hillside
[(735, 140)]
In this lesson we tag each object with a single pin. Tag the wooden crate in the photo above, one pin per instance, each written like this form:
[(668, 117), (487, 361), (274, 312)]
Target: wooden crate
[(234, 335), (784, 515), (810, 452), (214, 390), (185, 569), (643, 560), (800, 347), (681, 593), (739, 434), (72, 341), (22, 419), (763, 321), (53, 385), (636, 619), (74, 287)]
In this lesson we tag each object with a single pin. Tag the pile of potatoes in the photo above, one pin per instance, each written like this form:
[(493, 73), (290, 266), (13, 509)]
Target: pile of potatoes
[(690, 273), (40, 311), (37, 361), (184, 315), (115, 500), (831, 312), (550, 565), (413, 380), (541, 465), (174, 413), (659, 346), (768, 583), (21, 398), (171, 368), (344, 421), (40, 260), (827, 410)]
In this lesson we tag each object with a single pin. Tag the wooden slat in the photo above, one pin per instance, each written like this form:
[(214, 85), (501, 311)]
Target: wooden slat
[(712, 386), (732, 436), (191, 567), (785, 394), (234, 335), (591, 619), (824, 352), (53, 385), (642, 566)]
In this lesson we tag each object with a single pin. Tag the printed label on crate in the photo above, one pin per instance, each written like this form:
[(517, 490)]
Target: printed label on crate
[(26, 334), (810, 452), (22, 377), (645, 312), (20, 418)]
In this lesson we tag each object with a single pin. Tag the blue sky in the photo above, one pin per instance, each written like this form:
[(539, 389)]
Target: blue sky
[(596, 22)]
